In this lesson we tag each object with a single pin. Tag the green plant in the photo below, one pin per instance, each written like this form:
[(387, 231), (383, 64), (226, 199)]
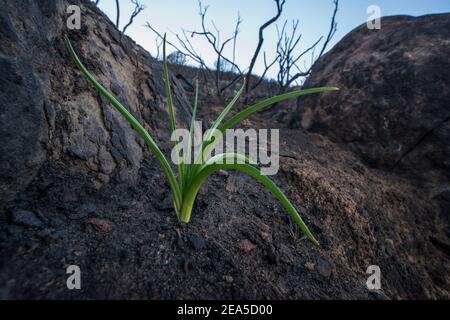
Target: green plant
[(192, 176)]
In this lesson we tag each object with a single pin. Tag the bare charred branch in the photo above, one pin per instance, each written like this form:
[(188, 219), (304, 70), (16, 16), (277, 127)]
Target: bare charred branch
[(190, 86), (117, 14), (279, 4), (158, 43), (267, 66), (289, 71), (213, 38), (138, 7), (186, 48), (333, 28)]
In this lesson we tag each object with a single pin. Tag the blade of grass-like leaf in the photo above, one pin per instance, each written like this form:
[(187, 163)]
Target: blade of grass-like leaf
[(206, 144), (133, 122), (187, 167), (219, 158), (265, 103), (173, 124), (201, 177), (225, 111)]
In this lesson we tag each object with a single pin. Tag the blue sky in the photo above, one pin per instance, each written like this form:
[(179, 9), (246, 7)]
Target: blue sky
[(172, 15)]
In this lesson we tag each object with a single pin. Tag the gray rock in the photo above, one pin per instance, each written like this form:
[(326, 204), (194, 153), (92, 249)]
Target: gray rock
[(324, 267), (25, 218), (393, 107), (197, 242), (223, 173)]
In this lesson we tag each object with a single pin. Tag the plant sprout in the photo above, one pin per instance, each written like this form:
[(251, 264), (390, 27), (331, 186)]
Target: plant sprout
[(186, 185)]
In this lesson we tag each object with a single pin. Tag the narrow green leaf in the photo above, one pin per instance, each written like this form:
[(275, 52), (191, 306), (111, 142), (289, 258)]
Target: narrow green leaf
[(134, 123), (224, 157), (207, 144), (265, 103), (173, 124), (188, 166), (225, 111)]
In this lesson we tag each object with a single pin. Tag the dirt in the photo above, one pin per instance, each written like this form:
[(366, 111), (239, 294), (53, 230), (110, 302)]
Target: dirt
[(129, 245)]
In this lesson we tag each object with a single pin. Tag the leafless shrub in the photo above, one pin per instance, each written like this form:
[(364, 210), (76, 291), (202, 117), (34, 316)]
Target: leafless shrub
[(212, 36), (177, 57), (138, 8), (288, 58), (279, 5), (291, 62)]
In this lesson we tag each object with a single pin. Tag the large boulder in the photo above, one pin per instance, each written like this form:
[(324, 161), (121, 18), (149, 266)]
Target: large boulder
[(393, 108), (50, 114)]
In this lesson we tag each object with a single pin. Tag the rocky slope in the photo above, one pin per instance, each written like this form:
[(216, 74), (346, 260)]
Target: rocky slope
[(78, 187)]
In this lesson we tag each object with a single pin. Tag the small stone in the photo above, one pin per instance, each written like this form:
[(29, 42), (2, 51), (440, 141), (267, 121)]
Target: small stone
[(310, 266), (26, 218), (97, 184), (246, 245), (197, 242), (266, 236), (223, 173), (91, 165), (389, 247), (411, 259), (264, 227), (285, 254), (101, 225), (260, 212), (103, 178), (228, 279), (265, 232), (324, 267)]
